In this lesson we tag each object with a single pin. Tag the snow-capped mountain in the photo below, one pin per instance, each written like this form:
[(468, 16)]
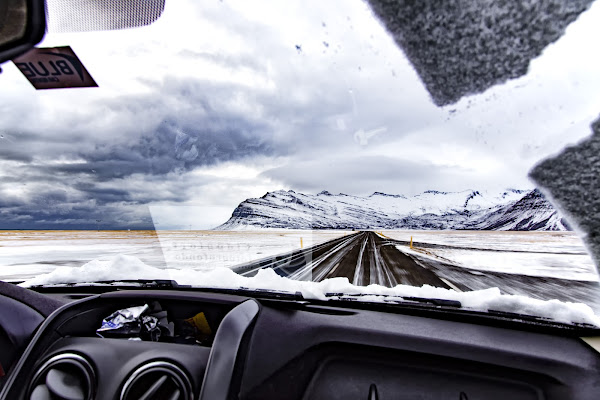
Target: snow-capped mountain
[(531, 213), (508, 210)]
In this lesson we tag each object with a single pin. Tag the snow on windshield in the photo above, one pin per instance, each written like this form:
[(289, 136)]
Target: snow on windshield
[(132, 268)]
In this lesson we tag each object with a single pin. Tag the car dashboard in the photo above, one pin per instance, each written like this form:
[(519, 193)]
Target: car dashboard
[(265, 348)]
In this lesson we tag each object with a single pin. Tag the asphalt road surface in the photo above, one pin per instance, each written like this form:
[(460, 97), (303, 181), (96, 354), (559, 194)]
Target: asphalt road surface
[(369, 258), (364, 258)]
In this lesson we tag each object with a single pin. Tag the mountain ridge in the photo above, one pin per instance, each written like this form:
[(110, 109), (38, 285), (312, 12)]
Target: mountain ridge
[(511, 209)]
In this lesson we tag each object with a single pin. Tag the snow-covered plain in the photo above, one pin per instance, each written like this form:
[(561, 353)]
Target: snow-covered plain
[(26, 254), (206, 250), (550, 254)]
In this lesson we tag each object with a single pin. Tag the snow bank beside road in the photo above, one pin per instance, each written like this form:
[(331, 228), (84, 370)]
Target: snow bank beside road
[(130, 267), (560, 255)]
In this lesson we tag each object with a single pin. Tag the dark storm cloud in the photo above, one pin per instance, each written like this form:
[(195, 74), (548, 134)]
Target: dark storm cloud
[(103, 195), (79, 201), (208, 133), (123, 163), (77, 206), (193, 123), (79, 217), (160, 152), (7, 154), (10, 202)]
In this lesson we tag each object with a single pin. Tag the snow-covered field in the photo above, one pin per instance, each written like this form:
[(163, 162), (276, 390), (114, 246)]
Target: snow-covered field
[(205, 250), (551, 254), (25, 254)]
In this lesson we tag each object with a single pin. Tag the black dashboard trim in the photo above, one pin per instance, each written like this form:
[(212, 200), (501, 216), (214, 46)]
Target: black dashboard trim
[(224, 353), (263, 345)]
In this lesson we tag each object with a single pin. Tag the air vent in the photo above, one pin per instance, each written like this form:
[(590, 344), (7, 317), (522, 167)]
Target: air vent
[(65, 376), (157, 380)]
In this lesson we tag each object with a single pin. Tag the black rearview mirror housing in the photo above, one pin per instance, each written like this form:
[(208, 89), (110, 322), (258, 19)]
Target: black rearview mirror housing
[(22, 26)]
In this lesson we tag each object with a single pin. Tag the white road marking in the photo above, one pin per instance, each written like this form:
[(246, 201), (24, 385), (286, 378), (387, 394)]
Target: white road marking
[(305, 273), (447, 282), (334, 268), (359, 271)]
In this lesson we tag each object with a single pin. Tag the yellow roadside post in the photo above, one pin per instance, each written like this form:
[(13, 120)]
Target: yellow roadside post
[(411, 242), (301, 246)]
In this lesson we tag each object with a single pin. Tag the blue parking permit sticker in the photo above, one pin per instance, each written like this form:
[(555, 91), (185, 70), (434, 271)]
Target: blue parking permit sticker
[(54, 68)]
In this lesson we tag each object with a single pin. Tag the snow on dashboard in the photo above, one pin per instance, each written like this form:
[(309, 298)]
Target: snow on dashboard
[(129, 267)]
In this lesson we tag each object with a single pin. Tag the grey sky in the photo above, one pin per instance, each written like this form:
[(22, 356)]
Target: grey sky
[(215, 103)]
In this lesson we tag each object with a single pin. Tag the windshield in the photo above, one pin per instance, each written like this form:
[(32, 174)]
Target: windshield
[(270, 145)]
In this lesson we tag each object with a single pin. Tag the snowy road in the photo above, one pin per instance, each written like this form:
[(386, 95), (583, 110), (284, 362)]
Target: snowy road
[(364, 258), (372, 258)]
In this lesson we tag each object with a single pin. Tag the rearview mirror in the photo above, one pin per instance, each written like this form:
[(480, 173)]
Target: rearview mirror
[(22, 26)]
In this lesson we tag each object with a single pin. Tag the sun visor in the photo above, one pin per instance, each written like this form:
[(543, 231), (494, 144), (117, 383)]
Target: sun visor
[(464, 47), (101, 15)]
